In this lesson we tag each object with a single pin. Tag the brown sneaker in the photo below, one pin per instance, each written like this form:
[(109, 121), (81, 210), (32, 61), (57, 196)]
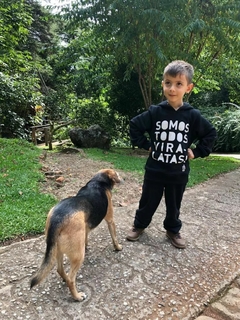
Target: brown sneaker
[(134, 234), (176, 240)]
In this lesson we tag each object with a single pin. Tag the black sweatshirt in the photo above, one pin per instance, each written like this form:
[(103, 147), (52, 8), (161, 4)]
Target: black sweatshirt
[(171, 132)]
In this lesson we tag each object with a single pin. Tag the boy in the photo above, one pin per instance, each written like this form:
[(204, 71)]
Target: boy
[(172, 126)]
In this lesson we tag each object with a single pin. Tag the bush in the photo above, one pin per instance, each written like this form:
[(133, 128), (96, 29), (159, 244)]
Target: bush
[(227, 125), (17, 96), (88, 112)]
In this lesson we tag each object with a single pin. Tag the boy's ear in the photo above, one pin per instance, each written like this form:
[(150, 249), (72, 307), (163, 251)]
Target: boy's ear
[(189, 87)]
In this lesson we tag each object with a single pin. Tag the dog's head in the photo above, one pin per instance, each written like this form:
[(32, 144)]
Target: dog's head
[(111, 175)]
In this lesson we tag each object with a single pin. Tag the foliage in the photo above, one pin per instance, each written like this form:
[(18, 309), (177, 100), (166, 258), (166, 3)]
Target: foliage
[(41, 39), (227, 75), (14, 62), (17, 96), (84, 113), (227, 125), (125, 96), (102, 61), (24, 44), (225, 117), (78, 65), (14, 24), (141, 34), (230, 76), (91, 111), (76, 89), (23, 208)]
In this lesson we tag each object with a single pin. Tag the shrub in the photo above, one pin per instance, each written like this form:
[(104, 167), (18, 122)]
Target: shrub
[(227, 125)]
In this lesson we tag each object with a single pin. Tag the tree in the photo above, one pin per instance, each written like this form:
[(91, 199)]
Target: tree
[(14, 23), (146, 34), (24, 43)]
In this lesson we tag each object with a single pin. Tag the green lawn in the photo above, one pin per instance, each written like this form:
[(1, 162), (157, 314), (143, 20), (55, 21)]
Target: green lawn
[(134, 161), (23, 208)]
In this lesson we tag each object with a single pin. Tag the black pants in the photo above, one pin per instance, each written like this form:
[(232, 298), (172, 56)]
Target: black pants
[(152, 193)]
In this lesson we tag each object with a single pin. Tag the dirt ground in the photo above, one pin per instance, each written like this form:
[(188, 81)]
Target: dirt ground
[(67, 171)]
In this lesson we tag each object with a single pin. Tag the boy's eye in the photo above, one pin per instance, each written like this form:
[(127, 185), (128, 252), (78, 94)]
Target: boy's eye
[(167, 83), (179, 84)]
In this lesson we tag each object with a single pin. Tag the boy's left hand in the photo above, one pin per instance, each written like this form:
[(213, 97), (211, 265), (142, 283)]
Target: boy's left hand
[(190, 154)]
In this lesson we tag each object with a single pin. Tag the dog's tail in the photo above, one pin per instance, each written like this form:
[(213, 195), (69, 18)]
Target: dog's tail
[(47, 263)]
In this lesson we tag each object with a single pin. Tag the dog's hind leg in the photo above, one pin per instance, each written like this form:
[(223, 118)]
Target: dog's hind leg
[(86, 236), (76, 259), (60, 268), (72, 243)]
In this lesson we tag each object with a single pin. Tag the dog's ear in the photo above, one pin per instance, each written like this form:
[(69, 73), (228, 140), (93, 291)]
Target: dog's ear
[(113, 175), (116, 177)]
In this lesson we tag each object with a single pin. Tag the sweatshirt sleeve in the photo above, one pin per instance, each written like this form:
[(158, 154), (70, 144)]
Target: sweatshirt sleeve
[(139, 125), (206, 135)]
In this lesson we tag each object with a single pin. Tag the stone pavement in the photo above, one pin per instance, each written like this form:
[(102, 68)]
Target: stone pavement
[(148, 279)]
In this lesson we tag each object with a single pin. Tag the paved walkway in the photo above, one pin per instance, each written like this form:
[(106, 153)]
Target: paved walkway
[(149, 279)]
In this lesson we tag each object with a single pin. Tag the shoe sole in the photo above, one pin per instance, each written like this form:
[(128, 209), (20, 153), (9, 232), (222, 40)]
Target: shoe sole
[(132, 239), (174, 243)]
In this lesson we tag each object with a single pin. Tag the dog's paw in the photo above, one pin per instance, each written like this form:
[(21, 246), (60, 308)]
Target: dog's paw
[(80, 296), (118, 247)]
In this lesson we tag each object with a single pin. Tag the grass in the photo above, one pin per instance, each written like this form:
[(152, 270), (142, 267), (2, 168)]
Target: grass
[(134, 161), (23, 208)]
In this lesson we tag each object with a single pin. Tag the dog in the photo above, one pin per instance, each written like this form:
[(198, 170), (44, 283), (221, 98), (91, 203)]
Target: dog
[(69, 223)]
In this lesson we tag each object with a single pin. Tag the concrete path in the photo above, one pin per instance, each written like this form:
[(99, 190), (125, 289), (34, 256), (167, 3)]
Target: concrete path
[(149, 279), (231, 155)]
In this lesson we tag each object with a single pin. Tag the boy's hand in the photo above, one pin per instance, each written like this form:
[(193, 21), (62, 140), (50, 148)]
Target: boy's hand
[(190, 154)]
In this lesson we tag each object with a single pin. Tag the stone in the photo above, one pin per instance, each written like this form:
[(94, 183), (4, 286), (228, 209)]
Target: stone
[(93, 137)]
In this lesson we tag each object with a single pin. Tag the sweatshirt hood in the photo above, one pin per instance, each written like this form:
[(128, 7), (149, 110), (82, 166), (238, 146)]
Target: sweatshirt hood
[(185, 106)]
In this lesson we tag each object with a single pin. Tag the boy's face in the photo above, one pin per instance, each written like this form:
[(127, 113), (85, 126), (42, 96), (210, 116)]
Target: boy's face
[(174, 89)]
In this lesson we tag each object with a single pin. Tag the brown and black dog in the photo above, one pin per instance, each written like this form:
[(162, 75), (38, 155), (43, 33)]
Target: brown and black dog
[(68, 224)]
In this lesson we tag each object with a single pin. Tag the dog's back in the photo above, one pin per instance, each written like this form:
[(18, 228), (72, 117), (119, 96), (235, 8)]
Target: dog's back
[(92, 200)]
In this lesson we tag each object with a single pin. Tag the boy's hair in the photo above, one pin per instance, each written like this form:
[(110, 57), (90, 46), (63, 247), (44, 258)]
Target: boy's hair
[(179, 67)]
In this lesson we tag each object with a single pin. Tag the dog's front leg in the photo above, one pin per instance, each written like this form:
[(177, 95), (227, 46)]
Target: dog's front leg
[(112, 230), (111, 225)]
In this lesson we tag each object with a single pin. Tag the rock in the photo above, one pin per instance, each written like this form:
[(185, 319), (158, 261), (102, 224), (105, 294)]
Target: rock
[(60, 179), (93, 137)]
